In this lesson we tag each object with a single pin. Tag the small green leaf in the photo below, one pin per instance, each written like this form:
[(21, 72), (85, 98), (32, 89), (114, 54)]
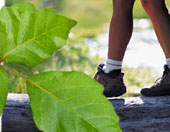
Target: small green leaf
[(4, 85), (70, 102), (30, 36)]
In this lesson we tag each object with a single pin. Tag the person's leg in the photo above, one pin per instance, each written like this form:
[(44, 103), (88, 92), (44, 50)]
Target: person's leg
[(158, 13), (120, 28), (120, 33)]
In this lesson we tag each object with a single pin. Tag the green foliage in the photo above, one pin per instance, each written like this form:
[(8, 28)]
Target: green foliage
[(28, 33), (70, 102), (92, 16), (4, 85), (60, 101), (137, 78)]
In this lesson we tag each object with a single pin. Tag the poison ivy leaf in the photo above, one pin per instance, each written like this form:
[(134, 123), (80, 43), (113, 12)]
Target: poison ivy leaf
[(30, 36), (70, 102), (4, 85)]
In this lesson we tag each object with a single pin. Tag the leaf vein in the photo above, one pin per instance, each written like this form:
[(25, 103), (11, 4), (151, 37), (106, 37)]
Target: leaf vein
[(26, 42)]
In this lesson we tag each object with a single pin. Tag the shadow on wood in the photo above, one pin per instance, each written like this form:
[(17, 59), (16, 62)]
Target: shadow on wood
[(137, 114)]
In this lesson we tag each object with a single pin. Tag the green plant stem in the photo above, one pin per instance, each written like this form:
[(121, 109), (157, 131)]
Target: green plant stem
[(32, 82), (0, 62), (24, 77), (17, 74), (27, 79)]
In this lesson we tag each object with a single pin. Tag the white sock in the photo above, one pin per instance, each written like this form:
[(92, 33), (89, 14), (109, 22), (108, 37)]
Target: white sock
[(112, 65), (168, 62)]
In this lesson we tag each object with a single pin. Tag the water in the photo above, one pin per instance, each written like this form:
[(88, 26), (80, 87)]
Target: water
[(143, 49)]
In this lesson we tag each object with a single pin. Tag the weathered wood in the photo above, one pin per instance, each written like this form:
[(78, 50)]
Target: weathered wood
[(0, 124), (140, 114), (137, 114), (17, 115)]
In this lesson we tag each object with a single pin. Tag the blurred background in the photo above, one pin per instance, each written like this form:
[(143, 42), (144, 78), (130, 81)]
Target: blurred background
[(87, 44)]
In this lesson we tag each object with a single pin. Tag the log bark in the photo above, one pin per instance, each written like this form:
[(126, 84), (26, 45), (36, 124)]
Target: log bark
[(137, 114), (17, 115), (140, 114)]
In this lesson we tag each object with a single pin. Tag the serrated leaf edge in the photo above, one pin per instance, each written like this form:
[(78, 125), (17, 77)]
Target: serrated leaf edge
[(46, 91)]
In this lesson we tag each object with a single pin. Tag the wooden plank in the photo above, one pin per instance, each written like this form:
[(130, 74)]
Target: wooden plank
[(137, 114)]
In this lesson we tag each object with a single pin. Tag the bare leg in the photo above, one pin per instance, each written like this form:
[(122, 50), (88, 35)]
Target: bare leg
[(160, 18), (120, 28)]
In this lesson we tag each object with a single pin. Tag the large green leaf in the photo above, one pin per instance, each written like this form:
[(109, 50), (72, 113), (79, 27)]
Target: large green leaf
[(4, 84), (30, 36), (70, 102)]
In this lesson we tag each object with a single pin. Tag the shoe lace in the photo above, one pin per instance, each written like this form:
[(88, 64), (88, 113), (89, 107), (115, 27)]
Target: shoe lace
[(159, 81)]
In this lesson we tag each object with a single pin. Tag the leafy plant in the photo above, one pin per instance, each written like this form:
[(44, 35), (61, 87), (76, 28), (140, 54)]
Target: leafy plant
[(60, 101)]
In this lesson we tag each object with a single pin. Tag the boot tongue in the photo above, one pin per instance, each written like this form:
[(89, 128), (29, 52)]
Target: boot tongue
[(166, 70)]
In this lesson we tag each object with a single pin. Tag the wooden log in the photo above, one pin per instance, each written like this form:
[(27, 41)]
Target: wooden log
[(140, 114), (137, 114), (0, 124), (17, 115)]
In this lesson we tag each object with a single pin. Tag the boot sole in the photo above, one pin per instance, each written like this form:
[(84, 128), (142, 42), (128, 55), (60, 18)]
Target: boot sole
[(120, 91)]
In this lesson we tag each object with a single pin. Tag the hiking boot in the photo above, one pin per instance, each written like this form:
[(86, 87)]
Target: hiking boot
[(112, 82), (161, 87)]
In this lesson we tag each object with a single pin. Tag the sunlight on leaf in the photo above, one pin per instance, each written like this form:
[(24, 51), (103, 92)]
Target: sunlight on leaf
[(30, 36), (4, 85), (70, 102)]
